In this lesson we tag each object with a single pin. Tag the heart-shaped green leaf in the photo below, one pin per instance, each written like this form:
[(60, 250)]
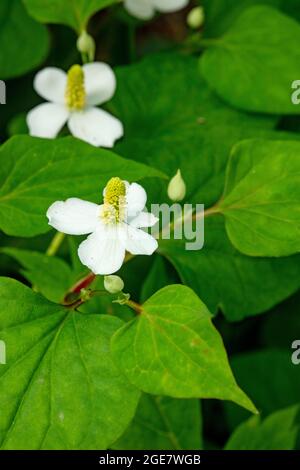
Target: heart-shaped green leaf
[(255, 63), (173, 349), (36, 172), (59, 388), (261, 202)]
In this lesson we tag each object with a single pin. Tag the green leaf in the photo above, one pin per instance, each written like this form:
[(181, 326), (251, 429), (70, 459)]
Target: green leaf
[(52, 276), (254, 64), (173, 125), (59, 371), (261, 202), (24, 42), (36, 172), (223, 277), (277, 432), (221, 14), (163, 423), (173, 349), (162, 127), (74, 13), (270, 377)]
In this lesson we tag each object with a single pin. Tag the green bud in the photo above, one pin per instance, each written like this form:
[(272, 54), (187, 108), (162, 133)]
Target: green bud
[(113, 284), (86, 45), (177, 188), (195, 18)]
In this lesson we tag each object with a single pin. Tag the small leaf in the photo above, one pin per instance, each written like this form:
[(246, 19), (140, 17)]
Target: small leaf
[(36, 172), (277, 432), (255, 63), (173, 349), (59, 370), (261, 203), (74, 13), (163, 423), (24, 42)]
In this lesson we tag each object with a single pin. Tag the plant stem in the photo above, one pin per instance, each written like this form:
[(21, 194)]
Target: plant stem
[(82, 284), (135, 306), (84, 58), (212, 210), (55, 244)]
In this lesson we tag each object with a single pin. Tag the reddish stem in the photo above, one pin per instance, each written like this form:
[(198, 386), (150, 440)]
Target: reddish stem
[(82, 284)]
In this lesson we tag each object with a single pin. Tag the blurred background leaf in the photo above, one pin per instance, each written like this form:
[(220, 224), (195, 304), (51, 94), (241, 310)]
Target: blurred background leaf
[(164, 423), (24, 42)]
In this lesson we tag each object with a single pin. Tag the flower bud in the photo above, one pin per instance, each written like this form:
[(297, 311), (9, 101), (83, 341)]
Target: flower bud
[(177, 188), (113, 284), (195, 18), (86, 45)]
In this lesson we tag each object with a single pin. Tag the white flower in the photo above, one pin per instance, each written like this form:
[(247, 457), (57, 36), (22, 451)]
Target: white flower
[(114, 226), (72, 98), (145, 9)]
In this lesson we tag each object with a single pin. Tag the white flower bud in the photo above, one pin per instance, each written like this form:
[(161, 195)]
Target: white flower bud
[(177, 188), (195, 18), (86, 45), (113, 284)]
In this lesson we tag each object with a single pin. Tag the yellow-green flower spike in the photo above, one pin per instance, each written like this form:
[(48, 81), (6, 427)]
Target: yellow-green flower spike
[(75, 92), (114, 200), (115, 189)]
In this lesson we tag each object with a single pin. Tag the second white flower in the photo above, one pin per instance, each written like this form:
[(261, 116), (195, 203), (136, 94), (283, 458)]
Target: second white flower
[(72, 99)]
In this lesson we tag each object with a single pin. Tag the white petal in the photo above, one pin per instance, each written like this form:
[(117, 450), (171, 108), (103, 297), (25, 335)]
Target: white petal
[(142, 9), (138, 242), (136, 198), (74, 216), (102, 251), (100, 83), (166, 6), (95, 126), (144, 219), (50, 84), (46, 120)]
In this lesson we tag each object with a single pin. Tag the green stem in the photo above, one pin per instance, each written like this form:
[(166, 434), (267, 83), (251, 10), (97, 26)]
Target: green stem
[(84, 58), (135, 306), (55, 244)]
